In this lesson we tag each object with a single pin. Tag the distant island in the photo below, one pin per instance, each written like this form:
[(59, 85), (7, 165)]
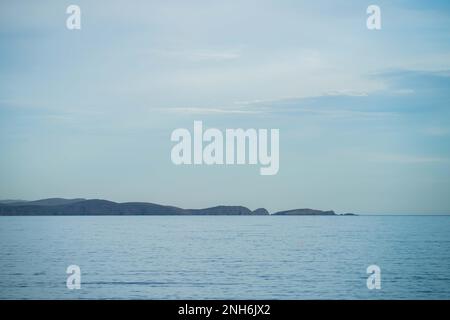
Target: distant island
[(85, 207)]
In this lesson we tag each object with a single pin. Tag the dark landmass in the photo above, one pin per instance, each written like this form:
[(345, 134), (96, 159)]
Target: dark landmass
[(305, 212), (11, 201), (82, 207), (43, 202)]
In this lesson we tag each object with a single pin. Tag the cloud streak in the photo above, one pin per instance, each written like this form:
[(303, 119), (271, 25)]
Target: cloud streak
[(206, 111), (407, 159)]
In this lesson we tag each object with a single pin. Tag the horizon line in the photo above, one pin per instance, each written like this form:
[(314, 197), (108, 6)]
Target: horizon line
[(276, 211)]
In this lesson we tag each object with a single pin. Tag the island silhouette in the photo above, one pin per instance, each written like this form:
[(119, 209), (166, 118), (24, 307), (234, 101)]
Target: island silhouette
[(81, 207)]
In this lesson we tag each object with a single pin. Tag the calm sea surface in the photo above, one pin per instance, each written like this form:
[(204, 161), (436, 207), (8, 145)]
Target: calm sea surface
[(154, 257)]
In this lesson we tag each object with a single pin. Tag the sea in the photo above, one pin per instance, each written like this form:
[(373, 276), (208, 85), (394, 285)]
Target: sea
[(225, 257)]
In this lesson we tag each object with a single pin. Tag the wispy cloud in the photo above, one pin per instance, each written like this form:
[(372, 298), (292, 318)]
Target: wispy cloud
[(318, 106), (198, 110), (214, 55), (346, 113), (407, 159), (437, 131), (349, 93), (193, 55)]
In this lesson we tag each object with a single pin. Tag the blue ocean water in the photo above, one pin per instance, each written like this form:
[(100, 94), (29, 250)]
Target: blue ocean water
[(225, 257)]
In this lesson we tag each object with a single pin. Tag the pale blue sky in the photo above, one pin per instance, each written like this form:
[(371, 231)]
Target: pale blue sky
[(364, 116)]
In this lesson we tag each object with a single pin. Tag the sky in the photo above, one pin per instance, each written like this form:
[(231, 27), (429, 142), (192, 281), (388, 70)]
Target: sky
[(364, 115)]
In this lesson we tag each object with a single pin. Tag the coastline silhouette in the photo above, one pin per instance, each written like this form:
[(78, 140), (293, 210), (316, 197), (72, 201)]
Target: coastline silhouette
[(81, 206)]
